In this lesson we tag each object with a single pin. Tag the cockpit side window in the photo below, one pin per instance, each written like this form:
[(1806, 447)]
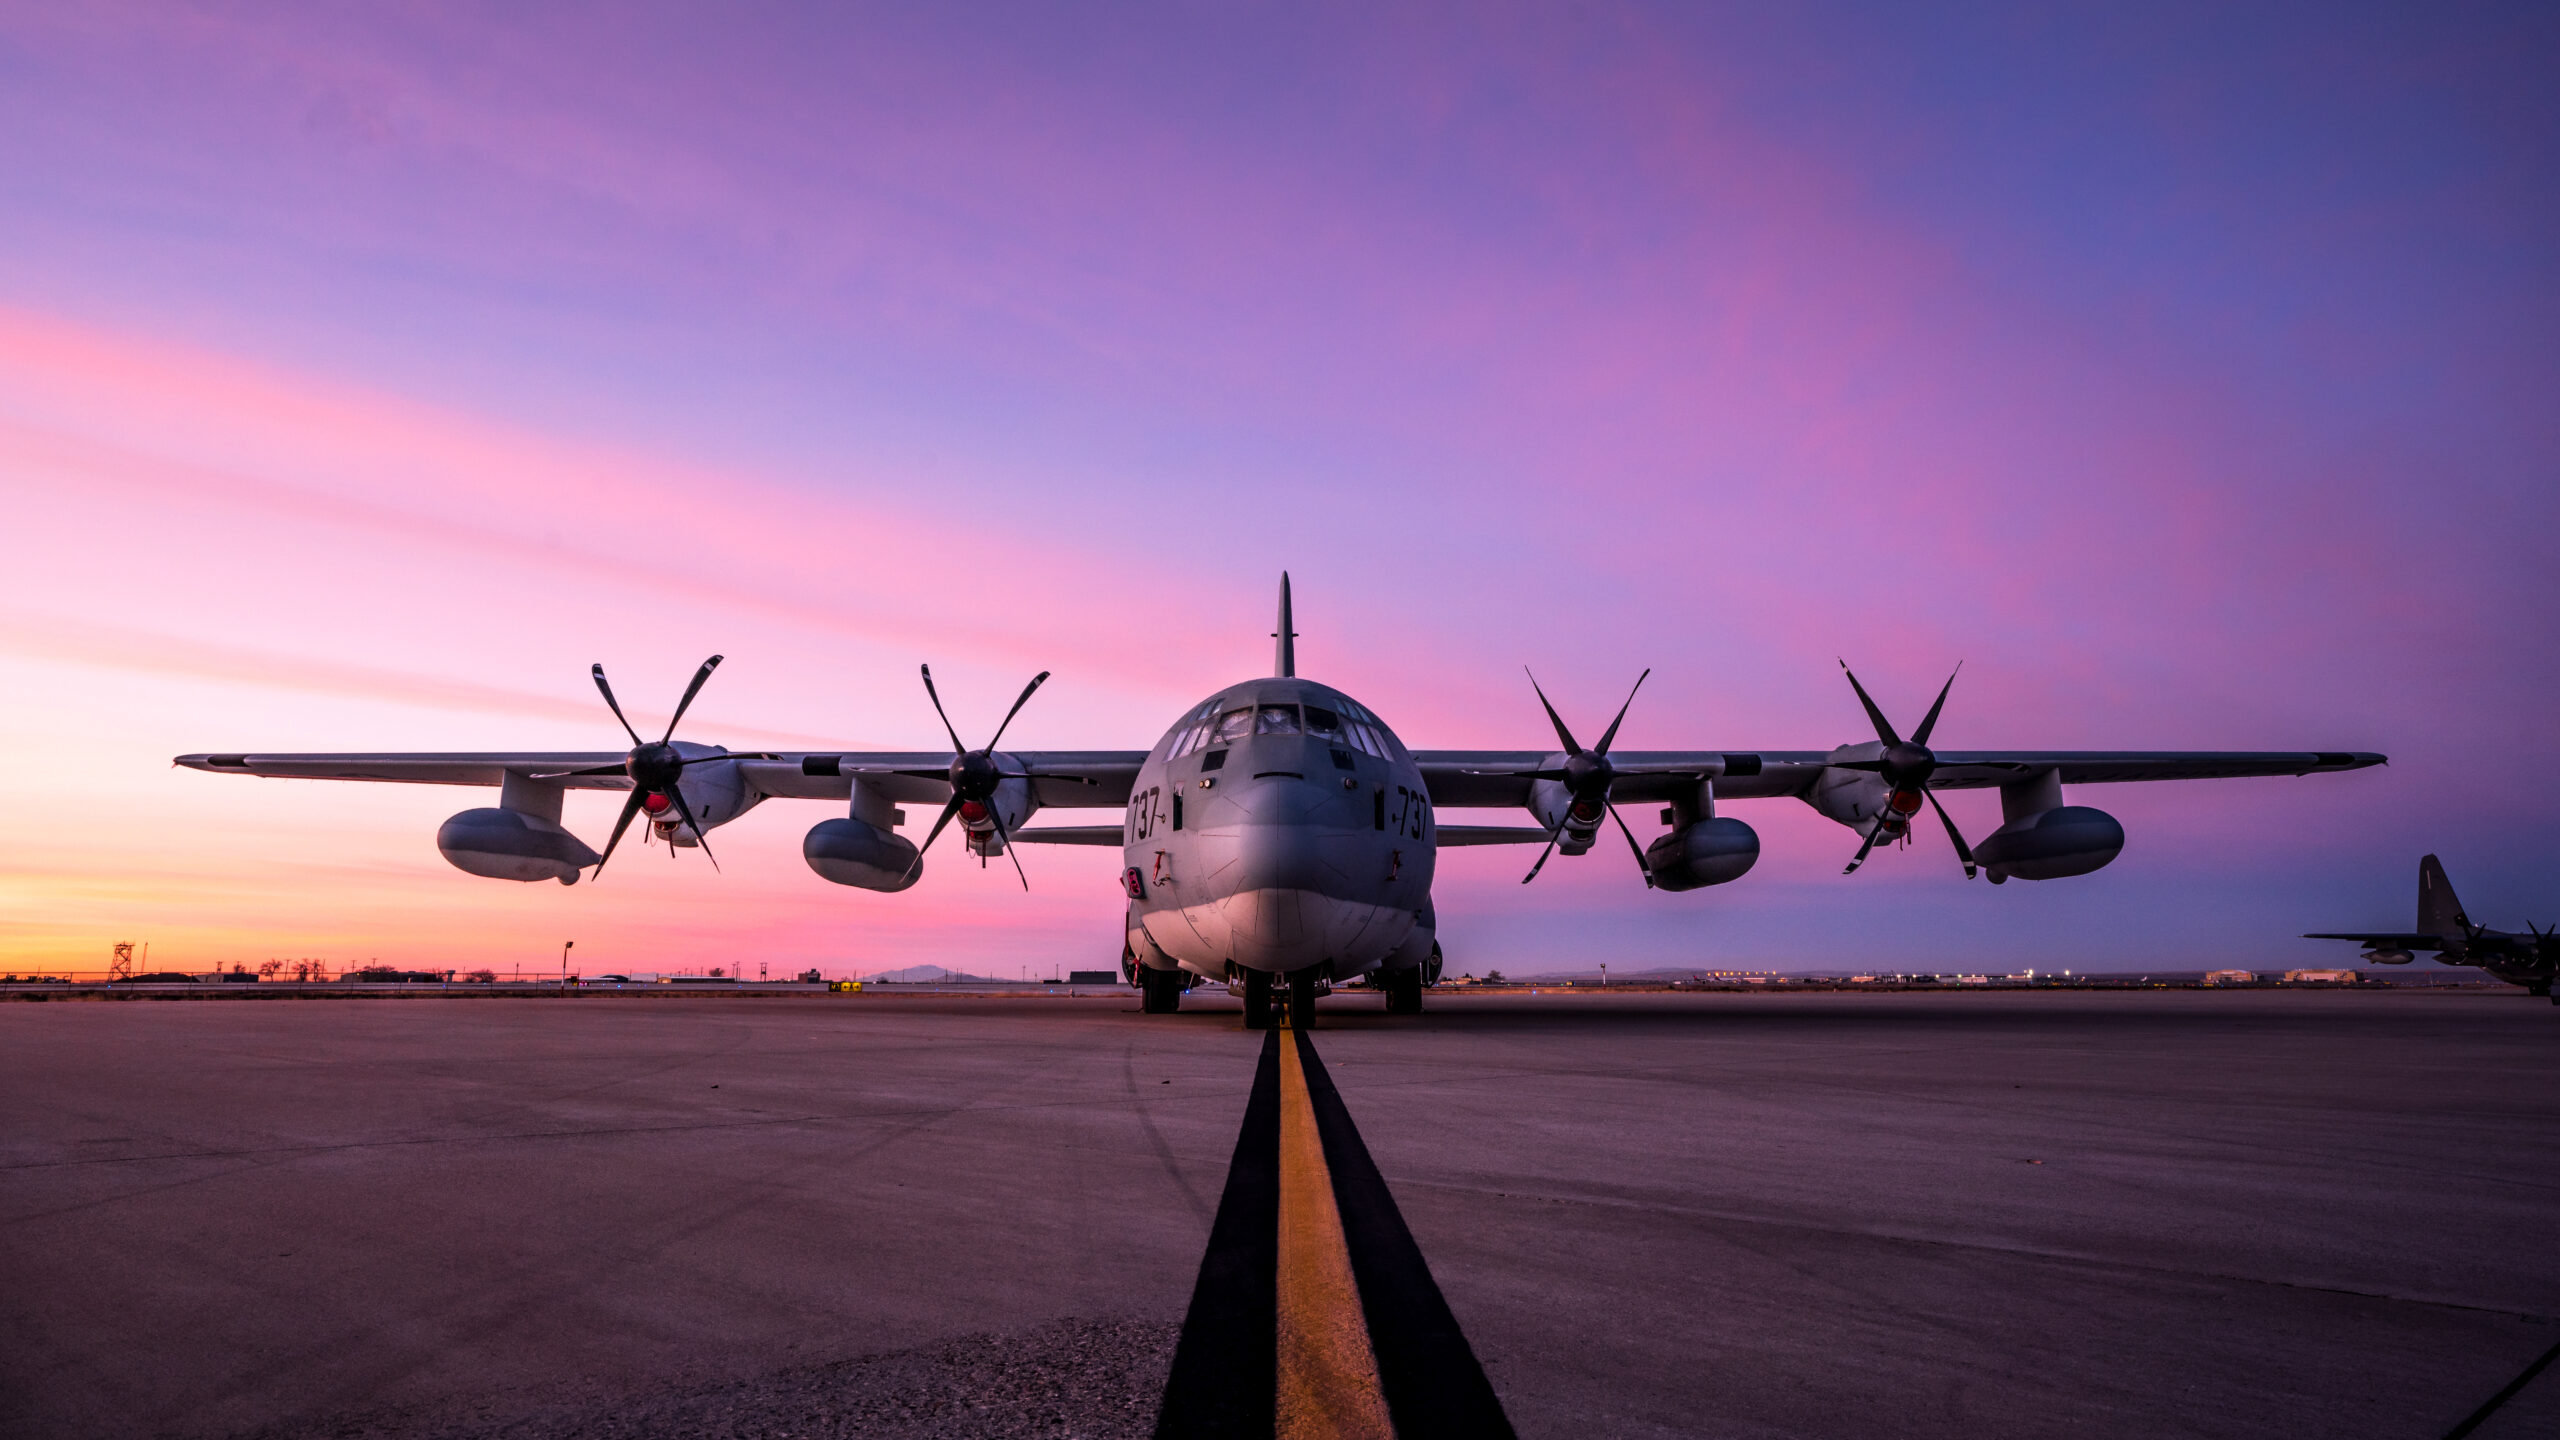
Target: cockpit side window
[(1194, 731), (1323, 724), (1234, 725), (1276, 720)]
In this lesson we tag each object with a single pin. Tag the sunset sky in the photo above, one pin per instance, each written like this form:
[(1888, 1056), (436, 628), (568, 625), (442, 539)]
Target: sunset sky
[(2192, 374)]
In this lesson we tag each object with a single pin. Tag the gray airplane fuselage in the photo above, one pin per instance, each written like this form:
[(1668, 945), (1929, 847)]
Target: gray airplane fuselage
[(1280, 827)]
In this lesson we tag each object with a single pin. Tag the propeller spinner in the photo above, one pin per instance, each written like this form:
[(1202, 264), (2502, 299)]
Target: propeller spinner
[(1905, 766)]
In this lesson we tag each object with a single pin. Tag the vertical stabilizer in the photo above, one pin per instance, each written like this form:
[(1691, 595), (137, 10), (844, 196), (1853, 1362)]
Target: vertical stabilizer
[(2439, 913), (1286, 660)]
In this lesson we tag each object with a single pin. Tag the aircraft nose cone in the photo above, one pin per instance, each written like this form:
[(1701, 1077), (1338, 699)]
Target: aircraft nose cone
[(1281, 857)]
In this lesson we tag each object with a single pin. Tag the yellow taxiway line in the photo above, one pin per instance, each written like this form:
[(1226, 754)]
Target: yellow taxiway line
[(1328, 1372)]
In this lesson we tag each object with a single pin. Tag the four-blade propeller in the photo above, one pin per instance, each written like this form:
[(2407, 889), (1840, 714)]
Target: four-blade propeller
[(654, 768), (1906, 766), (1586, 776)]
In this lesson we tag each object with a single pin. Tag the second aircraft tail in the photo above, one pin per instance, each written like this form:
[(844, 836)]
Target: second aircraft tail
[(2439, 913)]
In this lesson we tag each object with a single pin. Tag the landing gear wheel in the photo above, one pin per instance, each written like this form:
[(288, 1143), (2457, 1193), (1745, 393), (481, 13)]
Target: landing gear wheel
[(1257, 1000), (1302, 1004), (1404, 991), (1162, 994)]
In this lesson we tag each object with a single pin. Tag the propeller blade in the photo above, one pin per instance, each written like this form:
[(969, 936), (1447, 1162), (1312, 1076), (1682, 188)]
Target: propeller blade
[(630, 808), (1861, 858), (1642, 866), (689, 692), (1612, 732), (1552, 836), (950, 808), (613, 769), (732, 755), (616, 706), (997, 815), (1019, 702), (1929, 722), (1964, 852), (1509, 774), (686, 811), (1557, 720), (1053, 775), (936, 697), (1884, 727)]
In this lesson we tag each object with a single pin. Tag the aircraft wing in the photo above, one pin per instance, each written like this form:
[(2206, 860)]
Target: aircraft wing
[(1072, 778), (1486, 777), (2383, 941)]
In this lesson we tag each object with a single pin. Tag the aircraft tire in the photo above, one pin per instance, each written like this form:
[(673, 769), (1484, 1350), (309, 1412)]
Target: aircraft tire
[(1404, 991), (1161, 993), (1257, 1000), (1302, 1005)]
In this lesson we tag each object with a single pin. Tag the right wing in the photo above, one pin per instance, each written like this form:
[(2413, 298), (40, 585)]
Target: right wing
[(1072, 778)]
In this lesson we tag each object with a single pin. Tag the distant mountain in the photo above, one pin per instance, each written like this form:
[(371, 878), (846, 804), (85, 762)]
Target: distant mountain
[(937, 975)]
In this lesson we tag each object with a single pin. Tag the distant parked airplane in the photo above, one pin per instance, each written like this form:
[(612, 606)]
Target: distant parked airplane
[(2527, 960)]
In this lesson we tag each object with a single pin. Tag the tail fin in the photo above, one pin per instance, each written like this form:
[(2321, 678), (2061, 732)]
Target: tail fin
[(2439, 913), (1286, 660)]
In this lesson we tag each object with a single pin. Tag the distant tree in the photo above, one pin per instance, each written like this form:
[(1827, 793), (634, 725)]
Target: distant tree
[(1493, 977)]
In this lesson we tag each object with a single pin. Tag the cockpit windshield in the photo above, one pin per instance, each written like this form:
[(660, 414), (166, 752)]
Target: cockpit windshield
[(1234, 725), (1324, 724), (1276, 720)]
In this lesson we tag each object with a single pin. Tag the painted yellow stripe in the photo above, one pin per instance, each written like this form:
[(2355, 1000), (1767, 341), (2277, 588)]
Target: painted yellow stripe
[(1328, 1374)]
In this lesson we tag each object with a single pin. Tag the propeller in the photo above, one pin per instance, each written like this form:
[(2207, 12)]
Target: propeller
[(974, 775), (1586, 776), (1906, 766), (654, 767)]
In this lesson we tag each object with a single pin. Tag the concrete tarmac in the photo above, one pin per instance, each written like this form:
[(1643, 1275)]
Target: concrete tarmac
[(2194, 1213)]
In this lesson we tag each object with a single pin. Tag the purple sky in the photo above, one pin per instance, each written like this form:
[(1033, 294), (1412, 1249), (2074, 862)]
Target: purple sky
[(365, 373)]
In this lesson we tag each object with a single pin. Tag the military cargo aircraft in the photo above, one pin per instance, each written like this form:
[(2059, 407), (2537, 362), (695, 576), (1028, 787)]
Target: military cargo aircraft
[(2528, 960), (1281, 837)]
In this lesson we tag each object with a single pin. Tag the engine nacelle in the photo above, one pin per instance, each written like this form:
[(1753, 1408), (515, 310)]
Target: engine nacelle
[(2388, 957), (504, 844), (2051, 844), (1850, 797), (1710, 852), (851, 852)]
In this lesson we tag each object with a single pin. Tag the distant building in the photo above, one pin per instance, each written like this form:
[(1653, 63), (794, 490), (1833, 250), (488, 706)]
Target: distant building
[(1093, 977), (2230, 977), (2323, 977)]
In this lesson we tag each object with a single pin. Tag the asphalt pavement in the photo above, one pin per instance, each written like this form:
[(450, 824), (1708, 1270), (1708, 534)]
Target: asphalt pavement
[(2189, 1213)]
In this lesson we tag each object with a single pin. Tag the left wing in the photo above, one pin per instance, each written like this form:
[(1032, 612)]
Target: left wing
[(1489, 778)]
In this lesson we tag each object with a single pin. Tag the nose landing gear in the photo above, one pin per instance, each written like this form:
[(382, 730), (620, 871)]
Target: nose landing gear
[(1302, 1002), (1257, 1000)]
